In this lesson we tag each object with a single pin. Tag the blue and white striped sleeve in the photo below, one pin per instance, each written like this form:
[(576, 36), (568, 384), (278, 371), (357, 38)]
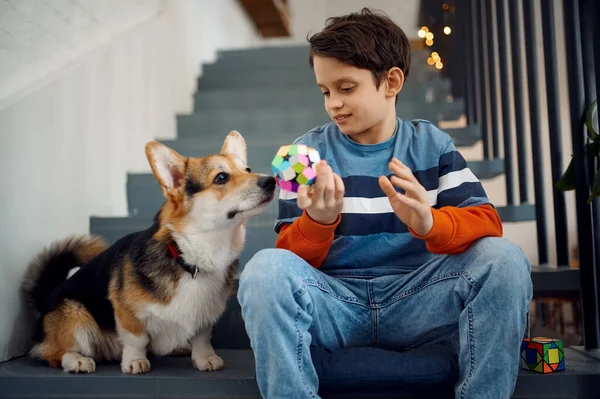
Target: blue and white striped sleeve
[(457, 185)]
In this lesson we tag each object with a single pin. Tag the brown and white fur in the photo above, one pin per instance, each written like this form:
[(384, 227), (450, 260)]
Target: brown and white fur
[(161, 289)]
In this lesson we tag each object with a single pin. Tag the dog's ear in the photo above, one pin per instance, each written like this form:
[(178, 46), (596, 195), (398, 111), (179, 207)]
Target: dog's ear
[(167, 166), (235, 145)]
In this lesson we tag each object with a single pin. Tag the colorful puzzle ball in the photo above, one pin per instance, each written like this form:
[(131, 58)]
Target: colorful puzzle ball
[(294, 165), (542, 355)]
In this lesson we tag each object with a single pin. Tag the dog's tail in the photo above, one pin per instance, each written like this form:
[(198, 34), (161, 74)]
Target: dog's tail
[(51, 267)]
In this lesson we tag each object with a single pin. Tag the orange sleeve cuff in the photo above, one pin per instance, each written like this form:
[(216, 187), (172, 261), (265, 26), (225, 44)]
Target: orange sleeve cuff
[(455, 229), (314, 232), (441, 232), (307, 239)]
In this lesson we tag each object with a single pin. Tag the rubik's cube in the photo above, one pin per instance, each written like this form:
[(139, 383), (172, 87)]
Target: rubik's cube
[(295, 165), (542, 355)]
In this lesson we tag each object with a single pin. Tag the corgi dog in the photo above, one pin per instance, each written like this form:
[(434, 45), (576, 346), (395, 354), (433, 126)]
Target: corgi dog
[(157, 290)]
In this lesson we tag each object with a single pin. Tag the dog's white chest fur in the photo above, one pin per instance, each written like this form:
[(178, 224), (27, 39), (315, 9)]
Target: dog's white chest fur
[(197, 304)]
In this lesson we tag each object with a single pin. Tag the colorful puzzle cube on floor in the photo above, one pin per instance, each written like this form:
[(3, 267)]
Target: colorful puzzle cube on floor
[(294, 165), (542, 355)]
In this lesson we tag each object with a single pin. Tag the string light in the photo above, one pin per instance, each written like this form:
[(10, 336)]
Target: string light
[(430, 61), (421, 33), (445, 6), (439, 65), (435, 56), (447, 30), (429, 42), (429, 36), (425, 29)]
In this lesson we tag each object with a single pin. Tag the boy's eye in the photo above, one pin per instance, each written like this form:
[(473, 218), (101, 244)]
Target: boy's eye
[(325, 93), (347, 89), (221, 178)]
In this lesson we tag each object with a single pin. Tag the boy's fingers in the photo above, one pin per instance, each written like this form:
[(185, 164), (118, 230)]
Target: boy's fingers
[(409, 202), (408, 186), (387, 187), (339, 187), (323, 179), (402, 171), (329, 194), (303, 200)]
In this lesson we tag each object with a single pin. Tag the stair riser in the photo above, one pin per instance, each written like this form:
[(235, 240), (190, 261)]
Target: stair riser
[(257, 125), (301, 96), (285, 79), (292, 57)]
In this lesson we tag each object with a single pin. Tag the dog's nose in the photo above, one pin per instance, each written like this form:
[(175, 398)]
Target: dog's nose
[(266, 182)]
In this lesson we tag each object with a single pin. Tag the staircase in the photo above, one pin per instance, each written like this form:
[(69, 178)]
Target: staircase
[(270, 96)]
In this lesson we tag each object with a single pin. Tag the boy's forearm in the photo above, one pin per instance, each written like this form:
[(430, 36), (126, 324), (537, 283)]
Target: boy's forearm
[(455, 229), (307, 239)]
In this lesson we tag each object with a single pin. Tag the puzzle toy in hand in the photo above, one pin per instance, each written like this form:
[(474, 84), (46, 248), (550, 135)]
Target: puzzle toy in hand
[(542, 355), (294, 165)]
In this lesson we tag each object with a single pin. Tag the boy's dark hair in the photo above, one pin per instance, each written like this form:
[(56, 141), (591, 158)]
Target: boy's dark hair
[(365, 40)]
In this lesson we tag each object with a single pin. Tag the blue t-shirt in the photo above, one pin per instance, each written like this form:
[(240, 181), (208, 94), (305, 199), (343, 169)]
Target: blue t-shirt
[(370, 239)]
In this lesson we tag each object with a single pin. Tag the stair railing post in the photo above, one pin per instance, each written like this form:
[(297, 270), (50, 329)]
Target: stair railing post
[(554, 129), (492, 39), (479, 15), (504, 54), (535, 124), (519, 96)]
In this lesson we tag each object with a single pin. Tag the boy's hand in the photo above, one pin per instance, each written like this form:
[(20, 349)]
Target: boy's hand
[(325, 199), (412, 208)]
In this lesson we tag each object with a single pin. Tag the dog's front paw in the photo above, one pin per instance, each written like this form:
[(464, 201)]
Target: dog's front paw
[(137, 366), (209, 363)]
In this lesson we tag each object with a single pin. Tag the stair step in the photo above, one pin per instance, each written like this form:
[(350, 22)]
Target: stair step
[(266, 124), (294, 56), (258, 124), (173, 377), (554, 281), (259, 234), (278, 101), (465, 136), (487, 168), (292, 78), (517, 213)]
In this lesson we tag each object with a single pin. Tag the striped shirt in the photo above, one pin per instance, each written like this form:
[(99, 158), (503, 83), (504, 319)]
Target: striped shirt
[(370, 240)]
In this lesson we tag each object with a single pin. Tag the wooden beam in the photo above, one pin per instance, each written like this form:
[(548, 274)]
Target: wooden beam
[(271, 17)]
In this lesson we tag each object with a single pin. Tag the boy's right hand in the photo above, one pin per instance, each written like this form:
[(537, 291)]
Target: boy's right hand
[(325, 199)]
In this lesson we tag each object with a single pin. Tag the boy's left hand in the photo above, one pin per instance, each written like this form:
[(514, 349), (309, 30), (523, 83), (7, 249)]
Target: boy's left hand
[(412, 208)]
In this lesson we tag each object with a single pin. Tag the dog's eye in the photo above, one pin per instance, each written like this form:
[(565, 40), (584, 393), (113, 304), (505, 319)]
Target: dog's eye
[(248, 170), (222, 178)]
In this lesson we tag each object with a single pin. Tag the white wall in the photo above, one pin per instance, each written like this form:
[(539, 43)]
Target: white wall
[(83, 85)]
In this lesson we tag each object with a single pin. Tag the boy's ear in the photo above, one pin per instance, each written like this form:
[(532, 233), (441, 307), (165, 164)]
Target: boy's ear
[(235, 145), (394, 81), (167, 166)]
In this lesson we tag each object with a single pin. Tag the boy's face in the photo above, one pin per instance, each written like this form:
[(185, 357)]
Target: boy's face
[(351, 98)]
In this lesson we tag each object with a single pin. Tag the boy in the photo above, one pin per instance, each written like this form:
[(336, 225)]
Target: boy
[(360, 263)]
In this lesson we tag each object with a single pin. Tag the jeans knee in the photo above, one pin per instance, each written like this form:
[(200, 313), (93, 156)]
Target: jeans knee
[(509, 269), (267, 273)]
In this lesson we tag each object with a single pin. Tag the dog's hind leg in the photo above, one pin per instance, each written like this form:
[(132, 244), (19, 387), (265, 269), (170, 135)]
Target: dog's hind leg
[(70, 335), (73, 362)]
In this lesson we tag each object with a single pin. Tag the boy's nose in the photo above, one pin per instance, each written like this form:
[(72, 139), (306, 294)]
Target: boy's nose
[(335, 103)]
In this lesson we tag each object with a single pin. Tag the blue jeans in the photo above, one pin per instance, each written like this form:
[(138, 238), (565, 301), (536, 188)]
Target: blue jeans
[(482, 295)]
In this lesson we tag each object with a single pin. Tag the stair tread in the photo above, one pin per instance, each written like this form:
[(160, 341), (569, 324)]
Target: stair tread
[(175, 376)]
